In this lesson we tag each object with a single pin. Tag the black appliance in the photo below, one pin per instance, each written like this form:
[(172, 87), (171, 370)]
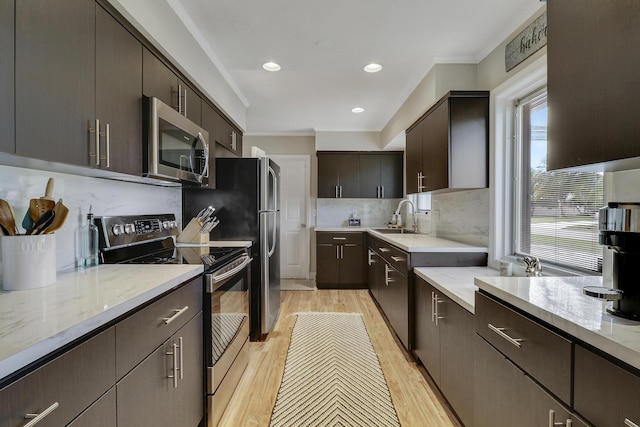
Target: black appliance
[(148, 239), (619, 225), (247, 205)]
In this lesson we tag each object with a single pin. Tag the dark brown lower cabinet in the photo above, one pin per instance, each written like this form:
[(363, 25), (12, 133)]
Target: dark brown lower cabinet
[(394, 300), (374, 265), (505, 396), (101, 414), (605, 393), (444, 334), (340, 260), (158, 392)]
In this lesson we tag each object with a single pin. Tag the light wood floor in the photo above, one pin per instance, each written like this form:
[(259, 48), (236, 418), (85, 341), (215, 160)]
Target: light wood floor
[(417, 403)]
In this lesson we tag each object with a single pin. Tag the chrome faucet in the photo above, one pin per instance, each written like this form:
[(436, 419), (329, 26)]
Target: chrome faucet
[(414, 226), (534, 268)]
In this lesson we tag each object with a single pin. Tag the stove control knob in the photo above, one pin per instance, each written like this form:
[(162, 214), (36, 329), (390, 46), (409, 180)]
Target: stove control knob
[(166, 225), (129, 228), (117, 229)]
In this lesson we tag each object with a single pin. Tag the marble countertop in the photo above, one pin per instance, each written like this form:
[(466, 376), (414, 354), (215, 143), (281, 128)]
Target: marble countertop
[(413, 242), (35, 322), (456, 283), (560, 302)]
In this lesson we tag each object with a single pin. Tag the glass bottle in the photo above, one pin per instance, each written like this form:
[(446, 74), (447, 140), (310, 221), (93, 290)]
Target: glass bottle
[(87, 243)]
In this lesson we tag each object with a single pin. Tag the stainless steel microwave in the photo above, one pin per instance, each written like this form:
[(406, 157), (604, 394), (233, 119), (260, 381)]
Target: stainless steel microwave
[(176, 149)]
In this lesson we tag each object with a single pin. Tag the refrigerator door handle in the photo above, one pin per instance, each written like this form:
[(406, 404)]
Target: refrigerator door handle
[(274, 230), (275, 188)]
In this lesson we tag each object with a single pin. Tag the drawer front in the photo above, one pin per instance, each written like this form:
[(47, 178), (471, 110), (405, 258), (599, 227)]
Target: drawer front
[(604, 393), (142, 332), (543, 354), (101, 414), (66, 385), (396, 258), (340, 238)]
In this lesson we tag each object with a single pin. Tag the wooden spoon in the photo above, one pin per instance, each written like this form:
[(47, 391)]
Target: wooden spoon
[(7, 219), (39, 206), (61, 212)]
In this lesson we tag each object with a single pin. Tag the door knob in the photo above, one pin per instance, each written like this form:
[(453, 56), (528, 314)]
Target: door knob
[(303, 225)]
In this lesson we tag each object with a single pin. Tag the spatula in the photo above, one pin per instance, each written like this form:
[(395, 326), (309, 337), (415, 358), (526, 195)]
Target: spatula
[(39, 206), (7, 219), (61, 212)]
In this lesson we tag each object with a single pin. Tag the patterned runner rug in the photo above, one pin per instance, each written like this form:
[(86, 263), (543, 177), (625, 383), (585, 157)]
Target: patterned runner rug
[(332, 376)]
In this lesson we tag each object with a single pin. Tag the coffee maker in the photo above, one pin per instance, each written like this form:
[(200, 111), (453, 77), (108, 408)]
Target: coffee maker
[(619, 229)]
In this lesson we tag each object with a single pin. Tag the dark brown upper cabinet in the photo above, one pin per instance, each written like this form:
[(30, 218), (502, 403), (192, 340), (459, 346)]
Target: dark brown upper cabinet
[(593, 85), (370, 175), (221, 131), (448, 147), (55, 80), (381, 175), (160, 81), (7, 92)]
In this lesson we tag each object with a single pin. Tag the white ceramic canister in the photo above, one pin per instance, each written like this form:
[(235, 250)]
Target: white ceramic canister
[(28, 262)]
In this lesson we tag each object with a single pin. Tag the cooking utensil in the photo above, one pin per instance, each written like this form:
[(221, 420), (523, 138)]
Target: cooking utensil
[(61, 212), (7, 219), (27, 221), (37, 207), (45, 221)]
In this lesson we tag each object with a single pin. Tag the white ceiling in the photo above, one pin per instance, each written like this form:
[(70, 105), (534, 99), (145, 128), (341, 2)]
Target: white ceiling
[(322, 46)]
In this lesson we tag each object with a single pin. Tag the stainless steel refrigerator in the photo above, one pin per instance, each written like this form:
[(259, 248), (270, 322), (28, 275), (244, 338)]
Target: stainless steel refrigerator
[(246, 199)]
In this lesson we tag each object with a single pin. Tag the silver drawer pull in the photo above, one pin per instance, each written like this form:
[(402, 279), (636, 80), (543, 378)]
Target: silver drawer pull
[(553, 423), (339, 238), (630, 423), (168, 320), (36, 418), (398, 259), (174, 356), (500, 331), (384, 249)]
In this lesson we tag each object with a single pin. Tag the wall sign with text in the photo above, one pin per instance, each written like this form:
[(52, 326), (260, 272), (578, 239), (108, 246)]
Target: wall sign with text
[(528, 42)]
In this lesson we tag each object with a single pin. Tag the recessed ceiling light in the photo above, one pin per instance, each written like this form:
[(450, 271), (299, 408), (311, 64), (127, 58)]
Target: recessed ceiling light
[(372, 68), (271, 66), (357, 110)]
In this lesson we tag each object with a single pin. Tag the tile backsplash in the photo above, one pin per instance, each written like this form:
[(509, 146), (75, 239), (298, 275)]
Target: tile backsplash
[(106, 197), (372, 212)]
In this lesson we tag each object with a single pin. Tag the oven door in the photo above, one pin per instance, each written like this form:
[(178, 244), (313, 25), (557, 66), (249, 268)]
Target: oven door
[(227, 301)]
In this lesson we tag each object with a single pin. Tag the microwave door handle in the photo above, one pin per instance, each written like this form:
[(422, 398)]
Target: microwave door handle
[(205, 145)]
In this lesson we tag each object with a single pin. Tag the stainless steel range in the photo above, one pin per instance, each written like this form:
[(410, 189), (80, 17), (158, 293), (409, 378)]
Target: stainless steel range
[(148, 239)]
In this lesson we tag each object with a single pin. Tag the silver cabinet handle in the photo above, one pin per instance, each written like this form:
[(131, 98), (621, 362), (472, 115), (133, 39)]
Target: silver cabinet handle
[(177, 314), (384, 249), (234, 142), (96, 131), (174, 355), (398, 259), (36, 418), (179, 98), (630, 423), (339, 238), (107, 147), (340, 186), (500, 331), (420, 182), (337, 192), (435, 316), (382, 191), (370, 259), (553, 423), (387, 270), (180, 344), (337, 251), (184, 104)]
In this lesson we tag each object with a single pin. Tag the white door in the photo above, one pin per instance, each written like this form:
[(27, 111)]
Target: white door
[(295, 177)]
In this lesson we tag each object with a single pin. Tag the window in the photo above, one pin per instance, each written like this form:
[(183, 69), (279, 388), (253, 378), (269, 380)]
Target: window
[(555, 211)]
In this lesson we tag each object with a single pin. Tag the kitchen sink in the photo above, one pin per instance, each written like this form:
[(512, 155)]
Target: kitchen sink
[(393, 231)]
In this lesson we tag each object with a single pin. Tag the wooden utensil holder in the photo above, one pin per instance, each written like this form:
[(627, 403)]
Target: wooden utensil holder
[(191, 234)]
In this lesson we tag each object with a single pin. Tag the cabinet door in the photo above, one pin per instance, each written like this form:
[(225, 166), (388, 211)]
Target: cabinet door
[(55, 79), (391, 175), (469, 142), (427, 345), (158, 80), (413, 154), (594, 102), (505, 396), (398, 307), (101, 414), (604, 393), (374, 264), (191, 103), (349, 175), (352, 264), (369, 176), (328, 167), (456, 357), (119, 94), (7, 90), (435, 148), (327, 263)]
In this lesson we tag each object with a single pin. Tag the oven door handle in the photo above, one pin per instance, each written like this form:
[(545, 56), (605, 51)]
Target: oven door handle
[(216, 280)]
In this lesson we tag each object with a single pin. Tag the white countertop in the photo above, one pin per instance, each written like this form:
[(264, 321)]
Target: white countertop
[(35, 322), (413, 242), (560, 302), (456, 283)]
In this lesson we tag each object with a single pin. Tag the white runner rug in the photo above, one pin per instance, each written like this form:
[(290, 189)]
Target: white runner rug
[(332, 376)]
